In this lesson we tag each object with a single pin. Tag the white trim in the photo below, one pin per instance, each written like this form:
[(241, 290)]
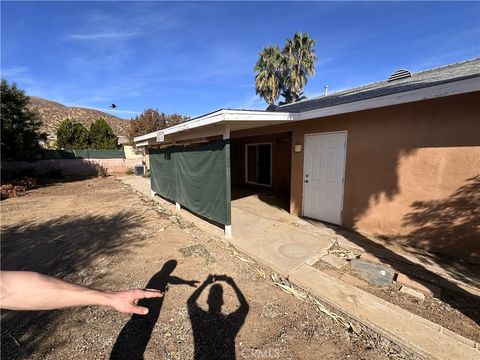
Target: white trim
[(431, 92), (228, 231), (246, 163), (344, 167), (143, 143), (222, 116), (226, 133)]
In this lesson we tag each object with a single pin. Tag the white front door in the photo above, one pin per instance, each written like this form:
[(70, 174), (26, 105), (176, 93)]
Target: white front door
[(323, 177)]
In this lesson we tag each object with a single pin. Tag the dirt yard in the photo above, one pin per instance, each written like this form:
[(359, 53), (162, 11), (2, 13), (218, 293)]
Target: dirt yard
[(99, 233)]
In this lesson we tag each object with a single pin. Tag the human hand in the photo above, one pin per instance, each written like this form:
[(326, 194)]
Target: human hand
[(228, 280), (125, 301), (192, 283), (220, 277)]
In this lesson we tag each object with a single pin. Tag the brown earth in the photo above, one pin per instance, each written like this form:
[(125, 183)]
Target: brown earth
[(53, 113), (99, 233), (459, 318)]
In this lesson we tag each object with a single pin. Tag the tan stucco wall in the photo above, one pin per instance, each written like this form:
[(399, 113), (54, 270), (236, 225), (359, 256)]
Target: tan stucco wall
[(404, 165)]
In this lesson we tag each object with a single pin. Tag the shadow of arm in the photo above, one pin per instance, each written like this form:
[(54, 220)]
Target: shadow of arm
[(174, 280), (244, 307), (192, 300)]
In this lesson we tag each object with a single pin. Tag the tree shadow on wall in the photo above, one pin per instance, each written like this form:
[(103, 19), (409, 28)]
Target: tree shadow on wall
[(440, 225), (64, 247)]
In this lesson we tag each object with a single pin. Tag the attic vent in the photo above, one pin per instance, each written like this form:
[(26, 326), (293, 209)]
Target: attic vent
[(399, 74)]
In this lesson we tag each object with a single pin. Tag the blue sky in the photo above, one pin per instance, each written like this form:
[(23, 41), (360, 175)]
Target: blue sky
[(195, 57)]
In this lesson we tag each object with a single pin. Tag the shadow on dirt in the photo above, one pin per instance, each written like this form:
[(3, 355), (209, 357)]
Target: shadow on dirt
[(214, 333), (64, 248), (133, 338)]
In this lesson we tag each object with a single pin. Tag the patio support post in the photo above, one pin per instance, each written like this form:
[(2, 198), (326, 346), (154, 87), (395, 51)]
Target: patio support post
[(228, 226), (177, 206)]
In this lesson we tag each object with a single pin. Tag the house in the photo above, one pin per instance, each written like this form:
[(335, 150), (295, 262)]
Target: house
[(399, 158)]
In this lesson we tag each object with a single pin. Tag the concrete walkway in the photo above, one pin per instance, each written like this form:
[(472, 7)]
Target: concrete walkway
[(274, 237), (290, 245)]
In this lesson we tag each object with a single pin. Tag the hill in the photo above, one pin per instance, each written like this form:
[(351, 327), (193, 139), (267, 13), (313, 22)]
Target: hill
[(53, 112)]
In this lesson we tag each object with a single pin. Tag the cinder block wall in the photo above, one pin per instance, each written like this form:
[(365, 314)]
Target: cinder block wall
[(72, 166)]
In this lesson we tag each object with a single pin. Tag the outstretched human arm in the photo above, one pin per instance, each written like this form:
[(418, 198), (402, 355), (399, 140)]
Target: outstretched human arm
[(24, 290)]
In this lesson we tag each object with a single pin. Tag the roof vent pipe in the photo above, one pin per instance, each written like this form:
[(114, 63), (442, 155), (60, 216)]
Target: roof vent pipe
[(326, 90)]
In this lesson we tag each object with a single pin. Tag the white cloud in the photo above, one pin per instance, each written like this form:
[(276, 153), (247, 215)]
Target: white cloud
[(18, 74), (15, 71), (103, 35)]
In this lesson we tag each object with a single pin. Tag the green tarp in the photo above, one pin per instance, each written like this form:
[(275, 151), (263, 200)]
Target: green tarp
[(197, 178), (82, 154)]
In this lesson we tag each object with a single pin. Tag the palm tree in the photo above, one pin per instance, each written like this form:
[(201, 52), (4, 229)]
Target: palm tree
[(298, 62), (268, 74)]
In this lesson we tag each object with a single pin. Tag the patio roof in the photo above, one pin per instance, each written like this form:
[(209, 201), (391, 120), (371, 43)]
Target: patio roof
[(220, 122)]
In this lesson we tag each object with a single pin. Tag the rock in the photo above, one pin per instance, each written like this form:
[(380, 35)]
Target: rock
[(412, 292), (428, 289), (375, 274), (335, 261)]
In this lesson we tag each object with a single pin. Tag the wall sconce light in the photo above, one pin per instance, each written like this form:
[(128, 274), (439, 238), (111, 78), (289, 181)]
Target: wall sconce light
[(298, 148)]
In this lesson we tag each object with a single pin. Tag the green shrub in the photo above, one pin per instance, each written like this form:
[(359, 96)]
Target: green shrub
[(19, 125), (71, 135), (101, 136)]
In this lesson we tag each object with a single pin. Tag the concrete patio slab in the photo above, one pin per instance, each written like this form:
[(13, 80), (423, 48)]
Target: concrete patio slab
[(410, 331), (280, 245)]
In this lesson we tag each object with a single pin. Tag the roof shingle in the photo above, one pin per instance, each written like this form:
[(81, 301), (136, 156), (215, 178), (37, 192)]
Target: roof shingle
[(454, 72)]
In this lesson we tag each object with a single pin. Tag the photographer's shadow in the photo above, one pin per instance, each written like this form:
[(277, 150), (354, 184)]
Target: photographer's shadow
[(135, 335), (214, 333)]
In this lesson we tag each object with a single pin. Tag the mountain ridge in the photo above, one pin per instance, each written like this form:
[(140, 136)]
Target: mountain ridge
[(52, 113)]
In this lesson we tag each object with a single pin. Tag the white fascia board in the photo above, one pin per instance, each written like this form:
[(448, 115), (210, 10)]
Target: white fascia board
[(231, 115), (431, 92), (222, 116), (214, 117)]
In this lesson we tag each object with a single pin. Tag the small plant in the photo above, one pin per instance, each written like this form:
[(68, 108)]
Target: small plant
[(147, 173), (101, 171), (129, 171)]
